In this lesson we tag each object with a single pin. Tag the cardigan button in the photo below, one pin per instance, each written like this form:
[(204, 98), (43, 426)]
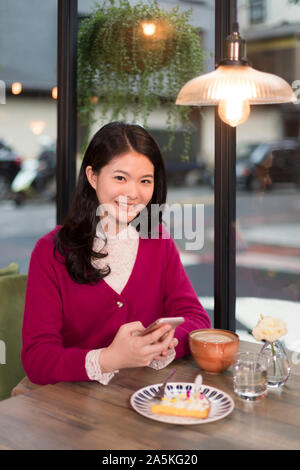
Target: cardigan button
[(120, 304)]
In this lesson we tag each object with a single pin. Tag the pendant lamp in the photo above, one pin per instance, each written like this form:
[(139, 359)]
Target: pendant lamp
[(235, 85)]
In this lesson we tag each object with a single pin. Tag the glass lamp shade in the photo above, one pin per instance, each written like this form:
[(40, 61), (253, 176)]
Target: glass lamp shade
[(236, 80), (234, 88)]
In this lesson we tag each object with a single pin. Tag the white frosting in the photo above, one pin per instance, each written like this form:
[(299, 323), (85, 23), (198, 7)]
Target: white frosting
[(194, 402)]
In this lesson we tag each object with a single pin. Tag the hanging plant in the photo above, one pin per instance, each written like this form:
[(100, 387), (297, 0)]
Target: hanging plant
[(133, 57)]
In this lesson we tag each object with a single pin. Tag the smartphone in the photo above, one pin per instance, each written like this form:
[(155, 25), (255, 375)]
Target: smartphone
[(173, 321)]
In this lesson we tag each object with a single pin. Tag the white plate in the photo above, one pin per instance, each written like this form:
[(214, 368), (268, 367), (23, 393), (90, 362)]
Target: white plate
[(221, 403)]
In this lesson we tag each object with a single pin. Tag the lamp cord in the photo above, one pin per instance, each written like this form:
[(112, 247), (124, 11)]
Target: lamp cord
[(235, 25)]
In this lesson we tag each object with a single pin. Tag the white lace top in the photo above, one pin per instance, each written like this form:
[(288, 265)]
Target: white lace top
[(122, 251)]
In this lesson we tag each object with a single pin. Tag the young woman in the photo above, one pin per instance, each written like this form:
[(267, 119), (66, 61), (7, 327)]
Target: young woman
[(109, 271)]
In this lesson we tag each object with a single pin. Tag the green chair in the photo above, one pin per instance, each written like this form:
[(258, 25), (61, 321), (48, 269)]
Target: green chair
[(12, 299), (12, 268)]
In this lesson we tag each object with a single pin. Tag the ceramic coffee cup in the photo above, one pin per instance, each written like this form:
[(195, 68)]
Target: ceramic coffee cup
[(213, 349)]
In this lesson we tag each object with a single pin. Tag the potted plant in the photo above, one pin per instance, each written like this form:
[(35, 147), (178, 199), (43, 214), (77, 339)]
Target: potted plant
[(133, 57)]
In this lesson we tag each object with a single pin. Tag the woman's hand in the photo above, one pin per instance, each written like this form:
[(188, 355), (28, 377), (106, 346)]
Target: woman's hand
[(131, 350), (165, 353)]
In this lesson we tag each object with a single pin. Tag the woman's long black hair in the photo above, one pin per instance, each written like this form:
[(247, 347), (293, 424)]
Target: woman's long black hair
[(75, 238)]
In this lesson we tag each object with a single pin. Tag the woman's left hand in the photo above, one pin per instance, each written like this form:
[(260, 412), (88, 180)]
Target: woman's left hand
[(172, 345)]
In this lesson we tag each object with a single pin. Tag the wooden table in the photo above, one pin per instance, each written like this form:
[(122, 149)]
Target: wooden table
[(87, 415)]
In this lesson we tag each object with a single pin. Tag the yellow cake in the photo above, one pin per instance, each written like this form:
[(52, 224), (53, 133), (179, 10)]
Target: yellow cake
[(191, 405)]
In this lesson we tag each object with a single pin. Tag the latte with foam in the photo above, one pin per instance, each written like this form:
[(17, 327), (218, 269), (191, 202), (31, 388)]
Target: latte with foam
[(212, 337)]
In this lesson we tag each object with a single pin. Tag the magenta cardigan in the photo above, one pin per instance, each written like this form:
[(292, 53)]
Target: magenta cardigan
[(64, 320)]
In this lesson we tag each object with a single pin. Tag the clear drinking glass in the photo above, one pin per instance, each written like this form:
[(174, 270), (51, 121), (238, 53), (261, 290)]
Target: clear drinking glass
[(250, 376)]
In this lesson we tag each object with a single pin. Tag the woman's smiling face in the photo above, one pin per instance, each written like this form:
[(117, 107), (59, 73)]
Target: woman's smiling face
[(124, 186)]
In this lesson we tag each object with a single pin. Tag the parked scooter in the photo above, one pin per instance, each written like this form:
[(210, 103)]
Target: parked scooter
[(36, 176)]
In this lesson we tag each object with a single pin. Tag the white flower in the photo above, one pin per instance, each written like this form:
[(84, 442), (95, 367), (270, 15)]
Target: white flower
[(269, 329)]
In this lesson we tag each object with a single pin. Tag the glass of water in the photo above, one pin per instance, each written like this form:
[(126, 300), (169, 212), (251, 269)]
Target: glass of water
[(250, 376)]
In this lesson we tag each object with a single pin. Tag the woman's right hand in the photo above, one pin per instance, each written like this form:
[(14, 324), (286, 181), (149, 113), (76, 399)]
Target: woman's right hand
[(131, 350)]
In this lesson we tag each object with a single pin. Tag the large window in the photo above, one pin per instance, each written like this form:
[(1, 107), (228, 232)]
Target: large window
[(268, 175)]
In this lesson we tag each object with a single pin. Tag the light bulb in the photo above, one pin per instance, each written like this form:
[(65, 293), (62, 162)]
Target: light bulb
[(234, 111), (149, 29), (37, 127), (54, 93), (94, 99), (16, 88)]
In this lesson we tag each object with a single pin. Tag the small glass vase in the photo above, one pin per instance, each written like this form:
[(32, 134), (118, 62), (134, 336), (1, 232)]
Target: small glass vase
[(278, 363)]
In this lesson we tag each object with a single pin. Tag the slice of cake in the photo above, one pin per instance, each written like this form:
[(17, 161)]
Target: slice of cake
[(192, 405)]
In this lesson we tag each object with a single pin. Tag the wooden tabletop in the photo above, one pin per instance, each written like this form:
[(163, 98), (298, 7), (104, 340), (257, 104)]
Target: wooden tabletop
[(87, 415)]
